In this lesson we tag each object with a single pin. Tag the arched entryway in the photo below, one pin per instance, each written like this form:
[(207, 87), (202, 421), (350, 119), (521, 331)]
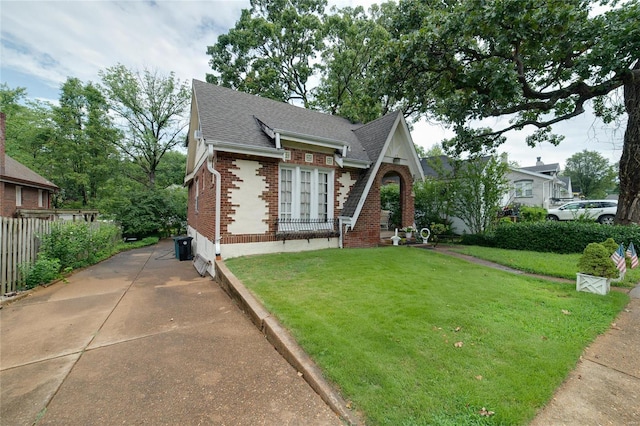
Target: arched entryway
[(396, 196)]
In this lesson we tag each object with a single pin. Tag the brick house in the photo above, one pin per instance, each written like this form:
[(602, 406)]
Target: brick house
[(266, 176), (20, 187)]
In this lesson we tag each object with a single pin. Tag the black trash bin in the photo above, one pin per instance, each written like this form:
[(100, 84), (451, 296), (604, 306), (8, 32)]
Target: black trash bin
[(183, 248)]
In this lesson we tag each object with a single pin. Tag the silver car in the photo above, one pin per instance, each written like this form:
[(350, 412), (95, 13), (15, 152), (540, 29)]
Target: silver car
[(603, 211)]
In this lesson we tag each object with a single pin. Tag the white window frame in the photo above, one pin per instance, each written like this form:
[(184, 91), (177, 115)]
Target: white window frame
[(523, 188), (295, 208)]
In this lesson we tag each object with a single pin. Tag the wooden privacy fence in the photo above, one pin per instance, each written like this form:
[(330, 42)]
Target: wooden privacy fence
[(19, 244)]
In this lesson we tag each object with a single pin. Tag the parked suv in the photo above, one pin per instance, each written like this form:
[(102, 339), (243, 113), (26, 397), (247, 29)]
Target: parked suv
[(602, 211)]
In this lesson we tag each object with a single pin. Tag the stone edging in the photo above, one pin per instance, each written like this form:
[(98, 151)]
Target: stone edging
[(282, 341)]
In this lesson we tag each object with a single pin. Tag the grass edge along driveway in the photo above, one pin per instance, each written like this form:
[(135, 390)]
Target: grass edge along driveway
[(414, 337)]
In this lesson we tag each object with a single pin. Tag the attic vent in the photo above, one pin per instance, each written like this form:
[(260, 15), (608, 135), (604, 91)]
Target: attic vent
[(329, 161), (287, 155), (308, 158)]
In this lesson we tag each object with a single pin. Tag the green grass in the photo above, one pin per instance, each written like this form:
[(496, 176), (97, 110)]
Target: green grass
[(383, 323), (551, 264)]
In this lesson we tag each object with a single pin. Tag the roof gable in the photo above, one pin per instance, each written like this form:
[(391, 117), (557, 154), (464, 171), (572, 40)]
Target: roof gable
[(377, 137)]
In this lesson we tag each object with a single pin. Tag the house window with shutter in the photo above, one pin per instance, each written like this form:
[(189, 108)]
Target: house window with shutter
[(524, 188)]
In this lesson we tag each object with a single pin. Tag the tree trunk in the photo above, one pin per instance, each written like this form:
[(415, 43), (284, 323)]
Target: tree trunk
[(629, 200)]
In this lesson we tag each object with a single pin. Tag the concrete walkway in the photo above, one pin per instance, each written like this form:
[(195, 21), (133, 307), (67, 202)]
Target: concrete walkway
[(143, 339), (604, 389)]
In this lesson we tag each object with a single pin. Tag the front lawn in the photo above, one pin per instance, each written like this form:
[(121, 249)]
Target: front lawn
[(551, 264), (414, 337)]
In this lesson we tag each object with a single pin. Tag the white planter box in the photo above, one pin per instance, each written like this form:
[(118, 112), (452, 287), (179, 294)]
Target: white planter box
[(591, 284)]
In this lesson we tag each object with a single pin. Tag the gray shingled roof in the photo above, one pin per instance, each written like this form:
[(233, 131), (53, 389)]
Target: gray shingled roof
[(554, 167), (442, 164), (18, 173), (230, 116), (373, 136)]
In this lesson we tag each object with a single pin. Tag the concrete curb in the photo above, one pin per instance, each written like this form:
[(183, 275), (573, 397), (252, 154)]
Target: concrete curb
[(282, 341)]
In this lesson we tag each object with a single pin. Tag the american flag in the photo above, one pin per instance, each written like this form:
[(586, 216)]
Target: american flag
[(631, 253), (619, 260)]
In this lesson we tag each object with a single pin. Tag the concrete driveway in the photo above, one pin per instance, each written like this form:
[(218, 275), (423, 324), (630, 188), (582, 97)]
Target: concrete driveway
[(143, 339)]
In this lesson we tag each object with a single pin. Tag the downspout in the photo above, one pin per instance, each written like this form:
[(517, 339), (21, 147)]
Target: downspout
[(218, 195)]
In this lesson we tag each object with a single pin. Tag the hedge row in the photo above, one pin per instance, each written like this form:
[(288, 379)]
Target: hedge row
[(556, 237)]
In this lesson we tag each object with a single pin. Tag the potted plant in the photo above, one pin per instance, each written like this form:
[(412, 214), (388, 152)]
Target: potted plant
[(595, 270), (408, 232)]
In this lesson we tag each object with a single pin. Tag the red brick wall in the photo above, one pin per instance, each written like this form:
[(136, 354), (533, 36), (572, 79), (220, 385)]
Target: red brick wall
[(367, 230), (29, 199), (365, 234)]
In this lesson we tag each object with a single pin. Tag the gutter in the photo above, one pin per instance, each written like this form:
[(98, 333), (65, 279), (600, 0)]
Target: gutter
[(216, 173)]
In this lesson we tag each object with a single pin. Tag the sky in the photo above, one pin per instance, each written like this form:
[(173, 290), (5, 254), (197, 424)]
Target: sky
[(44, 42)]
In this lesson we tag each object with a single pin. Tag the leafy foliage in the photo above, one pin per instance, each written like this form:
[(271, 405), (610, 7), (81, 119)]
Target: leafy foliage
[(591, 174), (271, 49), (81, 154), (532, 214), (432, 202), (535, 62), (43, 271), (556, 237), (148, 108), (390, 200), (146, 213), (478, 186), (78, 244)]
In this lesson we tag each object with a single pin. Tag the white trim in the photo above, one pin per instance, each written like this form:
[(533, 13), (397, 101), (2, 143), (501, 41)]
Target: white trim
[(346, 162), (313, 140), (246, 149), (414, 167), (296, 172)]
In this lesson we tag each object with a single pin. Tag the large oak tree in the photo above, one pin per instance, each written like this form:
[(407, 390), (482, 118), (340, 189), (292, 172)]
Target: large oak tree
[(537, 62)]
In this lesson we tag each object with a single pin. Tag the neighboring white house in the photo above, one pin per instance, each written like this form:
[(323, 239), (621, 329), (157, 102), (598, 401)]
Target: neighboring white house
[(538, 186)]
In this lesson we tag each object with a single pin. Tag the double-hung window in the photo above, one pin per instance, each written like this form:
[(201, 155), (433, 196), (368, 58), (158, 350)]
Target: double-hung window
[(524, 188), (305, 196)]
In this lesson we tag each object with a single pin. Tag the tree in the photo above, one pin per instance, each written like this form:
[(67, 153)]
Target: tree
[(270, 50), (28, 128), (477, 187), (149, 108), (537, 62), (348, 85), (82, 154), (591, 173)]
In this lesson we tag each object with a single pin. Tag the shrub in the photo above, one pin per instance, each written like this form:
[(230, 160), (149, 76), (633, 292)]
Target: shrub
[(152, 212), (532, 214), (610, 245), (437, 229), (78, 244), (556, 237), (485, 240), (596, 261), (43, 271)]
